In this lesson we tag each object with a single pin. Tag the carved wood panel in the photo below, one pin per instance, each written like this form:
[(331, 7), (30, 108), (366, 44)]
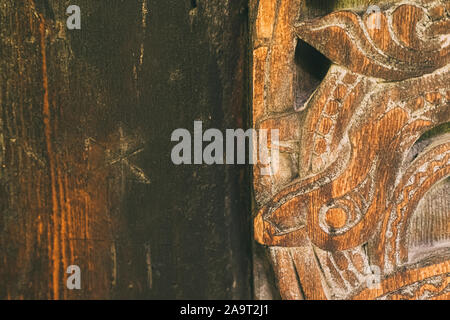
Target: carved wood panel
[(359, 208)]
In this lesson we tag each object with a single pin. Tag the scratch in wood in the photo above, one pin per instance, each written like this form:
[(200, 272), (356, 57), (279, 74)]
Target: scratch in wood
[(114, 262), (137, 69), (148, 262), (144, 26), (29, 151), (125, 157)]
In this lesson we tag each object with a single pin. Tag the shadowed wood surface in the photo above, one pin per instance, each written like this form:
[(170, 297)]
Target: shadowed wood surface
[(86, 177), (358, 207)]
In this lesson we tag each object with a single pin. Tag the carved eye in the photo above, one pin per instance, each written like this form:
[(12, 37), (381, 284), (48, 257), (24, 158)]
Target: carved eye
[(340, 215)]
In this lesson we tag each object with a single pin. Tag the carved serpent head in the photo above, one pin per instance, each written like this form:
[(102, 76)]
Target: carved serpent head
[(361, 176)]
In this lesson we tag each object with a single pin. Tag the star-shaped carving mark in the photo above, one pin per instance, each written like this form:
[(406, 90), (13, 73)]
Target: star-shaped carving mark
[(126, 150)]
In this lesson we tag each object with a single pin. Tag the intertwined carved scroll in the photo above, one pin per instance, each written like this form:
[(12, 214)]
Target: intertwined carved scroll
[(361, 157)]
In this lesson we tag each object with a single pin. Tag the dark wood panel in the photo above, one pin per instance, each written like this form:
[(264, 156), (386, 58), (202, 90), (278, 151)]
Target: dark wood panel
[(86, 176)]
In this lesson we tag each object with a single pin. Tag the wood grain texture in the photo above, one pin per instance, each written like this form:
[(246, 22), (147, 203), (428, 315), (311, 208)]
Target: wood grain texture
[(366, 148), (86, 176)]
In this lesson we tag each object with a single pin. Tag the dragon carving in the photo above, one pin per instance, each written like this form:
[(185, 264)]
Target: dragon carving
[(358, 145)]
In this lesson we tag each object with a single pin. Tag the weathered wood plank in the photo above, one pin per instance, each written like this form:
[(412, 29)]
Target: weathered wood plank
[(86, 176)]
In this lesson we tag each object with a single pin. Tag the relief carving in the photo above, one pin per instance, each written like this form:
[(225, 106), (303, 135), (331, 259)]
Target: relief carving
[(364, 152)]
